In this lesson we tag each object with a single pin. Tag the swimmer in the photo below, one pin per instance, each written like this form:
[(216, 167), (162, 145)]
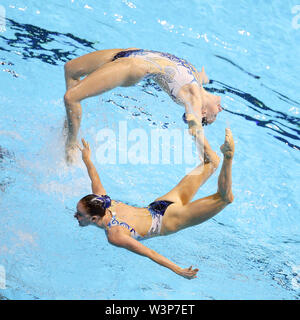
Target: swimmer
[(125, 225), (107, 69)]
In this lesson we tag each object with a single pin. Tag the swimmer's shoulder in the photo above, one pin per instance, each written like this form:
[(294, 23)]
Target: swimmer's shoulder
[(119, 203)]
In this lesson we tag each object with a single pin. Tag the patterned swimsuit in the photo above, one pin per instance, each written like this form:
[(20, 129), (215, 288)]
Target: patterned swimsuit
[(171, 72)]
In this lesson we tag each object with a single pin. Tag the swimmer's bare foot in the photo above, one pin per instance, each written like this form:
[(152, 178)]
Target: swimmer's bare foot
[(228, 147), (193, 123), (70, 152)]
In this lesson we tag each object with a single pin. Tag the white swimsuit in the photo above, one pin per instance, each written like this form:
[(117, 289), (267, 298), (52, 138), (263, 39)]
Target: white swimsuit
[(172, 72)]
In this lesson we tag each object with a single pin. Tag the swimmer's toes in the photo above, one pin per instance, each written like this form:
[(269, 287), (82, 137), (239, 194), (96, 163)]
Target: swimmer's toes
[(228, 133), (228, 147)]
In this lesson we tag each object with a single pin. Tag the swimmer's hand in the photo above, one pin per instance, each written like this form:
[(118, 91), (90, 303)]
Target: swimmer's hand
[(85, 151), (188, 273), (194, 124), (203, 76)]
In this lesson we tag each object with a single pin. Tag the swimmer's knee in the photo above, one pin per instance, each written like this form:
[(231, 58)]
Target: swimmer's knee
[(68, 68), (69, 97), (72, 70)]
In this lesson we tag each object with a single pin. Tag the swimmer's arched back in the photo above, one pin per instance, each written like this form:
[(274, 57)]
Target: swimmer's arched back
[(106, 69)]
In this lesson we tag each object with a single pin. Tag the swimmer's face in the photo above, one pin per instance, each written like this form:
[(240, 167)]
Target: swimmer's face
[(83, 218), (212, 106)]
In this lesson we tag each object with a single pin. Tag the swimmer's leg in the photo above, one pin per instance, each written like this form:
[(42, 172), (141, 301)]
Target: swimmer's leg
[(179, 217), (86, 64), (122, 72)]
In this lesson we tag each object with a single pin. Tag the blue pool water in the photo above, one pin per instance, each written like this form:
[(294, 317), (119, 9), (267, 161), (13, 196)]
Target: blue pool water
[(250, 51)]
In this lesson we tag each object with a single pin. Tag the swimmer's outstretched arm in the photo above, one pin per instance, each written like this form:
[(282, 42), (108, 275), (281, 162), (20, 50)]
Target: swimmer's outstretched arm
[(125, 241), (97, 187), (196, 130)]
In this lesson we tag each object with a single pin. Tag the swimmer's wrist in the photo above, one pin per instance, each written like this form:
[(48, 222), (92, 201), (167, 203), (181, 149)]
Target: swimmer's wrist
[(86, 159), (177, 270)]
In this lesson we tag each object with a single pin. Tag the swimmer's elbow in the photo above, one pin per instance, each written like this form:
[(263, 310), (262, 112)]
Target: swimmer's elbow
[(215, 161), (228, 198)]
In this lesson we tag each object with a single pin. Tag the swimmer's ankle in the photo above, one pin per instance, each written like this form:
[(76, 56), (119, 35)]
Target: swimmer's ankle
[(71, 142), (228, 155)]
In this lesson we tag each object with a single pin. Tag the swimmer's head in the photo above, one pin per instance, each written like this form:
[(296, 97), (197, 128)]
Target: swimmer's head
[(211, 107), (91, 209)]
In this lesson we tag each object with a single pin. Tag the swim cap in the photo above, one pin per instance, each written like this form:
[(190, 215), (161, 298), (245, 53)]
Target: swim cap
[(106, 201)]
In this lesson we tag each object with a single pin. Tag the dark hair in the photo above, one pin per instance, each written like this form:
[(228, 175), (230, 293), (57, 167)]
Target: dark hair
[(204, 121), (92, 206)]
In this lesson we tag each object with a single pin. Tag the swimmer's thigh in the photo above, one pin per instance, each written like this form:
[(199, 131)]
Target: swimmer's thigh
[(178, 217), (88, 63), (122, 72)]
